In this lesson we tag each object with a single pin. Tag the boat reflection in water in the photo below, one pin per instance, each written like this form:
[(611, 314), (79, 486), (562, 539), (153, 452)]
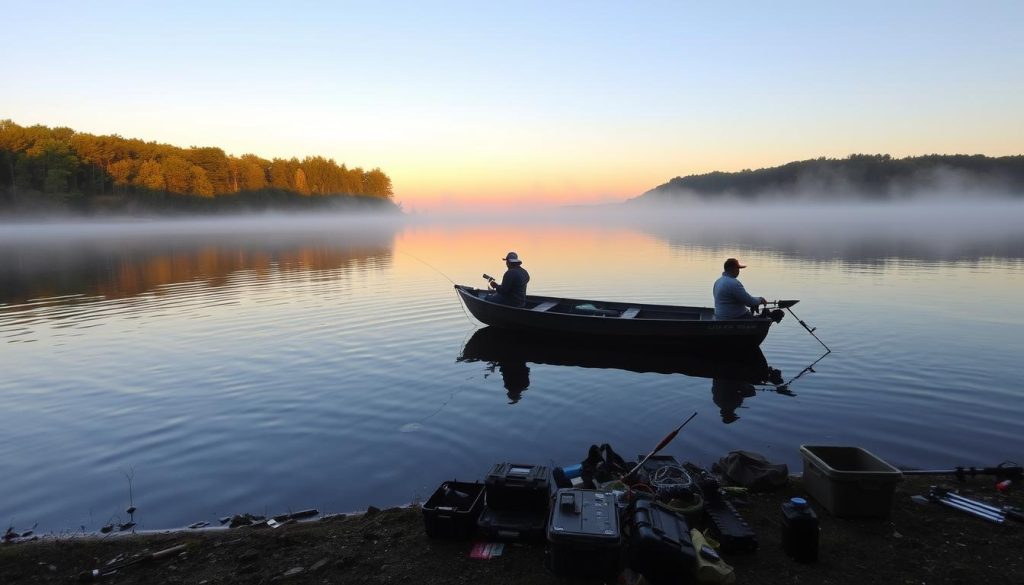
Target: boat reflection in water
[(735, 375)]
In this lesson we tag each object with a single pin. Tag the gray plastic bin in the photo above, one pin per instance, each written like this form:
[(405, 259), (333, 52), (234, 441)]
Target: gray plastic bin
[(849, 481)]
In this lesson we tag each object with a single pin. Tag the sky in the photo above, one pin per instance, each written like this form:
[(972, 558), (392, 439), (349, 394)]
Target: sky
[(527, 104)]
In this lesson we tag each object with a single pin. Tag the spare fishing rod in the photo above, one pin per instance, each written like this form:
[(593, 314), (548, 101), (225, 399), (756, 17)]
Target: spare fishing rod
[(668, 439), (112, 569), (1005, 470), (977, 508)]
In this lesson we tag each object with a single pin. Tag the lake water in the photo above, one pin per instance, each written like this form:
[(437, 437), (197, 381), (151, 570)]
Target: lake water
[(264, 365)]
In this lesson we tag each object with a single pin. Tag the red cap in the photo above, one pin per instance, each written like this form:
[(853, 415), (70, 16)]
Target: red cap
[(733, 263)]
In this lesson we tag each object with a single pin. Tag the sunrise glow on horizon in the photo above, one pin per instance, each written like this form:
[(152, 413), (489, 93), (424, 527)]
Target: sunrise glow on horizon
[(468, 105)]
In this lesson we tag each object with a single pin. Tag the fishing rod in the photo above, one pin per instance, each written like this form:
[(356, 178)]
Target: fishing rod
[(110, 570), (787, 305), (668, 439), (1005, 470), (977, 508)]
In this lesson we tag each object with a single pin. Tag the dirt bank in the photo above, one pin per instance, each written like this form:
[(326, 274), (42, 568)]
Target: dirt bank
[(920, 544)]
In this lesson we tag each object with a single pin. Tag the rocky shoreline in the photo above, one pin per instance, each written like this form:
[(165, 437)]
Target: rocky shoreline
[(920, 543)]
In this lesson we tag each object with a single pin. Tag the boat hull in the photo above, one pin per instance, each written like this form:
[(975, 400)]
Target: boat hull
[(640, 323)]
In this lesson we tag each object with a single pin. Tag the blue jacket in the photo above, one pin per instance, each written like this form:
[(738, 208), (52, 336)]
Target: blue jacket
[(732, 301)]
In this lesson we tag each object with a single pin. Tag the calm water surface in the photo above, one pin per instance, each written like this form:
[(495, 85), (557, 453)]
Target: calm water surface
[(269, 365)]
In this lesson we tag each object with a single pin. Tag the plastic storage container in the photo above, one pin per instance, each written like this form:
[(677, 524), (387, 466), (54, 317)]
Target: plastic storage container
[(660, 546), (583, 534), (515, 486), (849, 481), (452, 511), (800, 530)]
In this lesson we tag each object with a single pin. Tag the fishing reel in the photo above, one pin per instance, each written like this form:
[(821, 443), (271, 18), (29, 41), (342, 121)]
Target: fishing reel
[(767, 312)]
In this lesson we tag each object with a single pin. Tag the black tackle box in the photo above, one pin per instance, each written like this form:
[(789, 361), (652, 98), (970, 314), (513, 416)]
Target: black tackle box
[(728, 527), (512, 525), (516, 486), (453, 510), (660, 547), (583, 534)]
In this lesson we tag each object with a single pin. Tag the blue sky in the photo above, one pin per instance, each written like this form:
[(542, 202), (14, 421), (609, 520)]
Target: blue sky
[(526, 101)]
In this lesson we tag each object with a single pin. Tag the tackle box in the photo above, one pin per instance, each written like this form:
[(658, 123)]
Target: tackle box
[(515, 486), (729, 528), (583, 534), (512, 525), (660, 547), (849, 481), (452, 511)]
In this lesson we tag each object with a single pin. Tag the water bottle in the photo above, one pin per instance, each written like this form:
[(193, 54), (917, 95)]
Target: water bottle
[(800, 530)]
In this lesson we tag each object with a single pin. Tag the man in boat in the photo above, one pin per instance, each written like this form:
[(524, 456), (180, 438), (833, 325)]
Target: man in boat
[(732, 301), (512, 290)]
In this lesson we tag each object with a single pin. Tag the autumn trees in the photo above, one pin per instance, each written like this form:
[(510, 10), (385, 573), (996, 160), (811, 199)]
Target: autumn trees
[(38, 160)]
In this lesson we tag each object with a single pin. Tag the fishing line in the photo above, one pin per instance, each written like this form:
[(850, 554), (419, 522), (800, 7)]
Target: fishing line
[(437, 270), (428, 264)]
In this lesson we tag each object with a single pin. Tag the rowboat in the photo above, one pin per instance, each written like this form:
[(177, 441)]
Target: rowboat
[(636, 322)]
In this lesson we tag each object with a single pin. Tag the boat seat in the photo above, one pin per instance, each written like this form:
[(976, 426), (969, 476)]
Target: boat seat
[(544, 306), (630, 313)]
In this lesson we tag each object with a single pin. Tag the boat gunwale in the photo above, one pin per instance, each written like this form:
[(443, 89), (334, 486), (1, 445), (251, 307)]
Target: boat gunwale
[(473, 293)]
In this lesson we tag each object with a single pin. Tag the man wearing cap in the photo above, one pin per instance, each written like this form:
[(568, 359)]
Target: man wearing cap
[(512, 290), (732, 301)]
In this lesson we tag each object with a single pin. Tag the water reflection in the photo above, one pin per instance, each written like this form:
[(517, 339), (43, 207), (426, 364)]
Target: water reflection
[(868, 234), (113, 268), (735, 375)]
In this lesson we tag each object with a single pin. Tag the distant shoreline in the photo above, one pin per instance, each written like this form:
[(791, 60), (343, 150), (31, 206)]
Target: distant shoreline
[(876, 177), (58, 170)]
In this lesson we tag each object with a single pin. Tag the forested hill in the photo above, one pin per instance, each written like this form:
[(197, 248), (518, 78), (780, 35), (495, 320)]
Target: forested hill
[(44, 168), (857, 176)]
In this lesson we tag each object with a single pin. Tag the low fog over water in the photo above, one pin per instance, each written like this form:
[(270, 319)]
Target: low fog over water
[(923, 228)]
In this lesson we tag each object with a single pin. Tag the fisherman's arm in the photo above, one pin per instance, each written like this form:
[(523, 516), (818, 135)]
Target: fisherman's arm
[(746, 298)]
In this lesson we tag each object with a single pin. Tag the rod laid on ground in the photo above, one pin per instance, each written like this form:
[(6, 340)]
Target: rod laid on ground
[(668, 439), (96, 574), (1004, 512), (998, 519), (958, 498), (1006, 471)]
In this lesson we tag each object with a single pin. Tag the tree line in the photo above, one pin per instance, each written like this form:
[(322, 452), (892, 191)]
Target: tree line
[(86, 170), (877, 176)]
